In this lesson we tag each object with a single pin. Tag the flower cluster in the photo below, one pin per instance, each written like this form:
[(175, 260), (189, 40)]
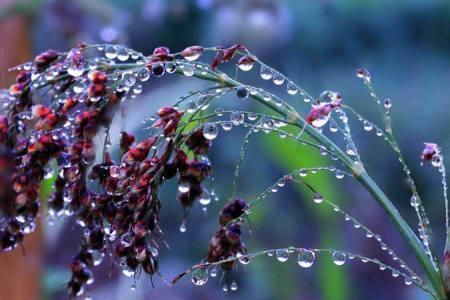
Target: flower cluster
[(227, 242), (54, 136), (431, 152)]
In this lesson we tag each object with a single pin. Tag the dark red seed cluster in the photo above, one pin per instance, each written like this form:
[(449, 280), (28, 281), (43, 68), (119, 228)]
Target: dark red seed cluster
[(323, 109), (431, 152), (227, 242), (53, 135)]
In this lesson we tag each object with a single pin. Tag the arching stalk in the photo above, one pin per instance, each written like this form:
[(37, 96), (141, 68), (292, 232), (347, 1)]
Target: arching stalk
[(362, 176)]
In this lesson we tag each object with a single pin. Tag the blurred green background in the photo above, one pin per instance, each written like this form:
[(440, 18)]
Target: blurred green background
[(318, 44)]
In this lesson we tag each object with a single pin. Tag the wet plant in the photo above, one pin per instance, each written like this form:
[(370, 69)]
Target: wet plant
[(55, 125)]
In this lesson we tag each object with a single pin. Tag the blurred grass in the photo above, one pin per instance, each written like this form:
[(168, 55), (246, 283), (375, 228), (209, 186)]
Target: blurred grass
[(332, 280)]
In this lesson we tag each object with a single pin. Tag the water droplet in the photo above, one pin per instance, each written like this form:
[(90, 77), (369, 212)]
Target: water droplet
[(233, 286), (305, 258), (158, 69), (184, 187), (414, 201), (320, 121), (282, 255), (237, 118), (210, 131), (110, 52), (171, 67), (277, 78), (123, 54), (408, 281), (183, 227), (333, 127), (127, 271), (194, 55), (387, 103), (143, 74), (339, 174), (128, 79), (368, 126), (242, 92), (291, 88), (205, 198), (137, 89), (395, 273), (188, 70), (339, 258), (227, 125), (75, 70), (317, 198), (78, 87), (214, 272), (245, 66), (266, 73), (350, 150), (252, 116), (199, 276)]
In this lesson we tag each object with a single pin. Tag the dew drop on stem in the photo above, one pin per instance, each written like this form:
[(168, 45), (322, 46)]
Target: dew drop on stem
[(210, 131), (199, 276), (291, 88), (266, 73), (188, 70), (317, 198), (123, 54), (339, 258), (305, 258), (277, 78), (110, 52), (282, 255)]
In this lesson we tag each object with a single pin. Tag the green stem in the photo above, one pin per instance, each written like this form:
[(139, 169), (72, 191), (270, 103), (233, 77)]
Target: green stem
[(413, 241)]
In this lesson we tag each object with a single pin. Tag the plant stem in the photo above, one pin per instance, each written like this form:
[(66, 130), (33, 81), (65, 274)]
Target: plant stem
[(413, 241)]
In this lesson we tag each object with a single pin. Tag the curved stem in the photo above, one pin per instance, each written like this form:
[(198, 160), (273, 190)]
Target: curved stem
[(362, 176)]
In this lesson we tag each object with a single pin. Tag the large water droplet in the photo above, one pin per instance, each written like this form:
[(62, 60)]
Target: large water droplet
[(291, 88), (128, 79), (199, 276), (266, 73), (75, 70), (210, 131), (277, 78), (246, 66), (237, 118), (282, 255), (339, 258), (305, 258), (143, 74), (184, 187), (188, 70), (123, 54), (242, 92), (110, 52), (320, 121)]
